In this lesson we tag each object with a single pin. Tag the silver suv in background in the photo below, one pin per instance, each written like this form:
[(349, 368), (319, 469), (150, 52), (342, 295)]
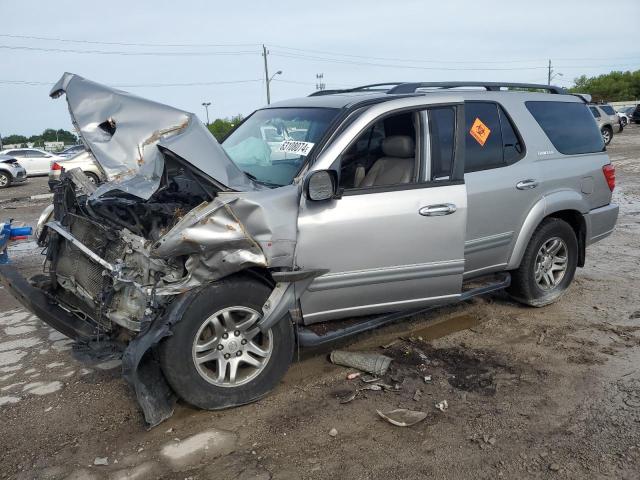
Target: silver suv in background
[(608, 121), (206, 263), (11, 172)]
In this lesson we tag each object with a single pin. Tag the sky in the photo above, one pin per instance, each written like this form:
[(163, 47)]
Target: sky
[(189, 52)]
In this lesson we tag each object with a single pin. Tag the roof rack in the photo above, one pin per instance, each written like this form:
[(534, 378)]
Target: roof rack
[(411, 87), (370, 87)]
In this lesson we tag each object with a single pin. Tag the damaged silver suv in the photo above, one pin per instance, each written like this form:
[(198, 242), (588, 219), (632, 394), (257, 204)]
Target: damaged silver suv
[(204, 264)]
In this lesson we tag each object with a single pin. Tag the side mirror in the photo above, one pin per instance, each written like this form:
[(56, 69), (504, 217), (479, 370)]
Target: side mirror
[(321, 185)]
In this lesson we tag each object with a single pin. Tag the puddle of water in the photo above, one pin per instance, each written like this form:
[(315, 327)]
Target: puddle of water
[(446, 327)]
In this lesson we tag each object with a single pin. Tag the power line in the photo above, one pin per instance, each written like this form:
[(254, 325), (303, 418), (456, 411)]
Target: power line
[(128, 44), (138, 85), (117, 52)]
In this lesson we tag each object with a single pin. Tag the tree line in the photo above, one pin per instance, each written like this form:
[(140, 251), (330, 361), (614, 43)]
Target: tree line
[(610, 87)]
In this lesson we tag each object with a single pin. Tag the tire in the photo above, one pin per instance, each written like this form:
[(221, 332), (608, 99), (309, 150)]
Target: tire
[(5, 179), (93, 178), (533, 289), (623, 122), (607, 135), (198, 383)]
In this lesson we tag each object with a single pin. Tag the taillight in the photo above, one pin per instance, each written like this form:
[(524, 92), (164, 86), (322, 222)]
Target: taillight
[(56, 166), (610, 175)]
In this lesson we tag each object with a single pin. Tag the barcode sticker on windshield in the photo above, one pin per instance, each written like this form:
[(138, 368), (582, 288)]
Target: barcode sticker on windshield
[(299, 148)]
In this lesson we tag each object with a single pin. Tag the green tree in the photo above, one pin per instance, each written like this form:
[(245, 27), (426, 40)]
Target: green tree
[(14, 139), (610, 87), (221, 127)]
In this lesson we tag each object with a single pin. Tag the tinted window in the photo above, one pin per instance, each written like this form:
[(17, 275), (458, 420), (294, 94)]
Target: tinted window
[(483, 137), (568, 125), (36, 154), (608, 109), (512, 145), (442, 125), (595, 112)]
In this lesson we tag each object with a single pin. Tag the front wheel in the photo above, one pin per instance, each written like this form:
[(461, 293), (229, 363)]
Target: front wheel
[(548, 265), (5, 180), (217, 357), (607, 135)]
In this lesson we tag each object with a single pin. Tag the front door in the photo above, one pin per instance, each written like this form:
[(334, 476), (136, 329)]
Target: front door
[(395, 239)]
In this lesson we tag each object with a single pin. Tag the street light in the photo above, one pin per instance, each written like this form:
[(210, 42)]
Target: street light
[(206, 107), (279, 72)]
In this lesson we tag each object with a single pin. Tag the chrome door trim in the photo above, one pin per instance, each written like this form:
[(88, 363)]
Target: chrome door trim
[(485, 243), (374, 276)]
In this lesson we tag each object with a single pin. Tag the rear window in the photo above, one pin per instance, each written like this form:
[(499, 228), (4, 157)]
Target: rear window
[(569, 126), (608, 109)]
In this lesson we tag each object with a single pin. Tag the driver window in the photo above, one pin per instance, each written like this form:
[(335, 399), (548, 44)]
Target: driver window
[(383, 155)]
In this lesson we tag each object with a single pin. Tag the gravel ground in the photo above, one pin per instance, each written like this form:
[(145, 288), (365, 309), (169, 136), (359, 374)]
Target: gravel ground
[(531, 393)]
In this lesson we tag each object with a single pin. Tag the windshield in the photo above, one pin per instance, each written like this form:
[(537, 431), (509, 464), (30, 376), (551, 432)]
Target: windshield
[(272, 144)]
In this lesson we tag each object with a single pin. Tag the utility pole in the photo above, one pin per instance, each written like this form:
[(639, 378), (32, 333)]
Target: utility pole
[(549, 73), (320, 85), (265, 52)]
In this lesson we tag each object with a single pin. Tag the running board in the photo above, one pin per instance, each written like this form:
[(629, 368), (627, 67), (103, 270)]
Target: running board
[(308, 338)]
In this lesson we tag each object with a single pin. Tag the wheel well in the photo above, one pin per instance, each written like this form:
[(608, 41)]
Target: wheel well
[(6, 172), (576, 220)]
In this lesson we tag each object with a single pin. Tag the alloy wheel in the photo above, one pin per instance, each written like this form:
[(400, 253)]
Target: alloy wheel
[(551, 263), (229, 349)]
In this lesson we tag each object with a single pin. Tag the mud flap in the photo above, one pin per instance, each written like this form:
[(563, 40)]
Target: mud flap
[(141, 369)]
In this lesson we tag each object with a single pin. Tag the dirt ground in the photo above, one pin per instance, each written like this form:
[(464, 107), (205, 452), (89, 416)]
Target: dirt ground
[(531, 393)]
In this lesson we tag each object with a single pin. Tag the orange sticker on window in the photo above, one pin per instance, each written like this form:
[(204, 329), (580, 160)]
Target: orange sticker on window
[(480, 131)]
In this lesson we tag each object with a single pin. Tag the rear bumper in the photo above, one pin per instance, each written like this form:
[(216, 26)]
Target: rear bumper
[(601, 222), (37, 302)]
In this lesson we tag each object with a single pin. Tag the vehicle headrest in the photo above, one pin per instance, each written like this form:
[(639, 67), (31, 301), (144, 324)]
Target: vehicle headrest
[(400, 146)]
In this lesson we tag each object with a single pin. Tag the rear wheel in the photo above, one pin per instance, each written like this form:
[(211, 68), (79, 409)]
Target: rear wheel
[(217, 356), (548, 265), (5, 180), (607, 135)]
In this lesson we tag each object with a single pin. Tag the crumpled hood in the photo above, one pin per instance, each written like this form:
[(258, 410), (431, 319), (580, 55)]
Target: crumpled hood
[(123, 132)]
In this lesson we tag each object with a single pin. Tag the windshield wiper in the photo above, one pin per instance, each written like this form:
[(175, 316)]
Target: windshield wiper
[(261, 182)]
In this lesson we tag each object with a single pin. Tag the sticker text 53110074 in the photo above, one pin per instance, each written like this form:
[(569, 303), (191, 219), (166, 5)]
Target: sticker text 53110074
[(293, 146)]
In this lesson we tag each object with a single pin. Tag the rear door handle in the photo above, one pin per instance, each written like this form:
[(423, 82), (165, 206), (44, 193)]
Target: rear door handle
[(437, 210), (527, 184)]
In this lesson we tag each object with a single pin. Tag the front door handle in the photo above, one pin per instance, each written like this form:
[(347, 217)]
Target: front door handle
[(527, 184), (437, 210)]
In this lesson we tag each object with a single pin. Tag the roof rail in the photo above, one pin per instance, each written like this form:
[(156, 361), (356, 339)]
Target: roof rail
[(411, 87), (372, 86)]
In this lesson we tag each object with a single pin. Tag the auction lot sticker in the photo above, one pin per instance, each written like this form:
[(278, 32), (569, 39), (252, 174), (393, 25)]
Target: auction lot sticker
[(480, 131), (299, 148)]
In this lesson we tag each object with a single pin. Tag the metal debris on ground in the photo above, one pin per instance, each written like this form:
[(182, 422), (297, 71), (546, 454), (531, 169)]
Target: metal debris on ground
[(442, 406), (369, 378), (402, 417), (373, 363), (374, 386)]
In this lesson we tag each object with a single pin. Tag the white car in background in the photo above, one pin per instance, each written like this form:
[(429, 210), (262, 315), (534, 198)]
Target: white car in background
[(34, 160)]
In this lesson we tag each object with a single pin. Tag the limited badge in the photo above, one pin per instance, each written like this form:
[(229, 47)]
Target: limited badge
[(480, 131)]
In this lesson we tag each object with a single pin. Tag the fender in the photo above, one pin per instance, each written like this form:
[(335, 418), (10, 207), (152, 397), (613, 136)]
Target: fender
[(547, 205)]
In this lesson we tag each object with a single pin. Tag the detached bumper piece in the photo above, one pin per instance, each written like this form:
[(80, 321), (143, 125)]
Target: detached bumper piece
[(36, 301)]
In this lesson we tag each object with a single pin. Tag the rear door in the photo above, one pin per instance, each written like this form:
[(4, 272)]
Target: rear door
[(389, 247), (39, 162)]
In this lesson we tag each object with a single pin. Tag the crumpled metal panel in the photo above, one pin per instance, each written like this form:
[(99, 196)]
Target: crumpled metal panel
[(232, 232), (123, 132)]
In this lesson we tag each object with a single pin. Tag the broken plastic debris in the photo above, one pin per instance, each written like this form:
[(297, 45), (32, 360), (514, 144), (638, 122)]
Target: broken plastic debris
[(101, 461), (333, 432), (442, 406), (402, 417), (427, 378), (353, 375), (367, 362)]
